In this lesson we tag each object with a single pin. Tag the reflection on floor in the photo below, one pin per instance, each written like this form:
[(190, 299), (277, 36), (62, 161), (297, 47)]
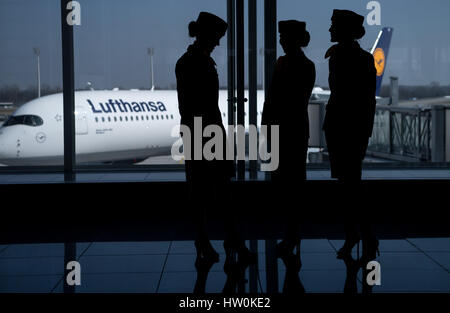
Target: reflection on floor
[(164, 176), (407, 265)]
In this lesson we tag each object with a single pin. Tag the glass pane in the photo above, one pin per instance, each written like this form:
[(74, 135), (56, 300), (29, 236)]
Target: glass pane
[(31, 132), (125, 57), (412, 69)]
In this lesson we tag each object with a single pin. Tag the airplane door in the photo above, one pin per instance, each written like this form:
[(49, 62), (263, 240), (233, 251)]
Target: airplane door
[(81, 126)]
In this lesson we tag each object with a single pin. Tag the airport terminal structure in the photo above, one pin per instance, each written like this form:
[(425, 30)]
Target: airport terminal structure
[(89, 175)]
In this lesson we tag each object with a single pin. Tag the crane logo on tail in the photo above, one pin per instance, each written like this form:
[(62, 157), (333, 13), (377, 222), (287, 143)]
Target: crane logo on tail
[(380, 63)]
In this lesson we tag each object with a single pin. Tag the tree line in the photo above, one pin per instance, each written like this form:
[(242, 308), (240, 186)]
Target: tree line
[(18, 96), (433, 90)]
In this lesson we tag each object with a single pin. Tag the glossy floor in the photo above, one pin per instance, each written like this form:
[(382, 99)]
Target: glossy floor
[(407, 265)]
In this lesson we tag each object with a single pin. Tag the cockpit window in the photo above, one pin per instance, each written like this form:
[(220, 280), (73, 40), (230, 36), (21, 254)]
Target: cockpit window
[(29, 120)]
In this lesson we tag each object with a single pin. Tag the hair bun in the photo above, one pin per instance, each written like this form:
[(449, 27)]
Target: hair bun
[(360, 32), (193, 29), (305, 39)]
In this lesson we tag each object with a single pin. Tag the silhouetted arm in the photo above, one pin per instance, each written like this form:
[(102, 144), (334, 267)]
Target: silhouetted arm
[(185, 85), (269, 112)]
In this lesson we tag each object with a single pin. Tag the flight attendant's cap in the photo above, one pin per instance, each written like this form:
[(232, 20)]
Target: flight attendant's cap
[(291, 27), (294, 28), (348, 18), (208, 23), (350, 24)]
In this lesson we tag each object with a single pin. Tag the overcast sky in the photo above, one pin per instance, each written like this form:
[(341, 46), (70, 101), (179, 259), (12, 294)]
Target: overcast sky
[(111, 43)]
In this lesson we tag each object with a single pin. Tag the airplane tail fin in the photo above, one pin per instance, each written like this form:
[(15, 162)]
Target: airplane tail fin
[(380, 52)]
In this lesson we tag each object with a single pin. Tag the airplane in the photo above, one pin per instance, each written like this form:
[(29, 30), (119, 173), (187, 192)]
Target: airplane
[(116, 125)]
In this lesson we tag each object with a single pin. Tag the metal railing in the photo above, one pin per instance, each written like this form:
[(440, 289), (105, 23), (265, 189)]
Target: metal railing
[(403, 133), (409, 134)]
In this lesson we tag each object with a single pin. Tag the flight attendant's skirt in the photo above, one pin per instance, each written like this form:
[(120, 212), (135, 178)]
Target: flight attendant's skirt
[(346, 154), (209, 181)]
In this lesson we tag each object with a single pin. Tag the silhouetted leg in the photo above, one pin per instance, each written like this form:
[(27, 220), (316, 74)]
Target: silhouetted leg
[(351, 184), (369, 241), (292, 283), (350, 212), (206, 255), (291, 239), (352, 268), (200, 202), (234, 271), (228, 212), (200, 213), (351, 239), (194, 199), (336, 165), (203, 266), (292, 235), (234, 244)]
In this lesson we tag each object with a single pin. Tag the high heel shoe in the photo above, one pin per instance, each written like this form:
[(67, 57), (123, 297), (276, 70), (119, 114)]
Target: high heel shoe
[(206, 252), (347, 248)]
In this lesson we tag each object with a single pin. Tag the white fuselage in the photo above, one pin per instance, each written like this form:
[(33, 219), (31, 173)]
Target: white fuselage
[(109, 126)]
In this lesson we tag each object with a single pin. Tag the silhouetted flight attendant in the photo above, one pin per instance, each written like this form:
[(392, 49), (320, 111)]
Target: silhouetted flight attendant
[(349, 119), (198, 96), (351, 108), (287, 104)]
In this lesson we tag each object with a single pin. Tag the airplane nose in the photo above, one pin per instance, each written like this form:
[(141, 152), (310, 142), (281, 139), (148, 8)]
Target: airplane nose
[(4, 151), (2, 148)]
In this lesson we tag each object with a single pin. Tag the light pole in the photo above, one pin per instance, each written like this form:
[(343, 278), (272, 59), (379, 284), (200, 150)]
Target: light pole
[(151, 52), (37, 52)]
